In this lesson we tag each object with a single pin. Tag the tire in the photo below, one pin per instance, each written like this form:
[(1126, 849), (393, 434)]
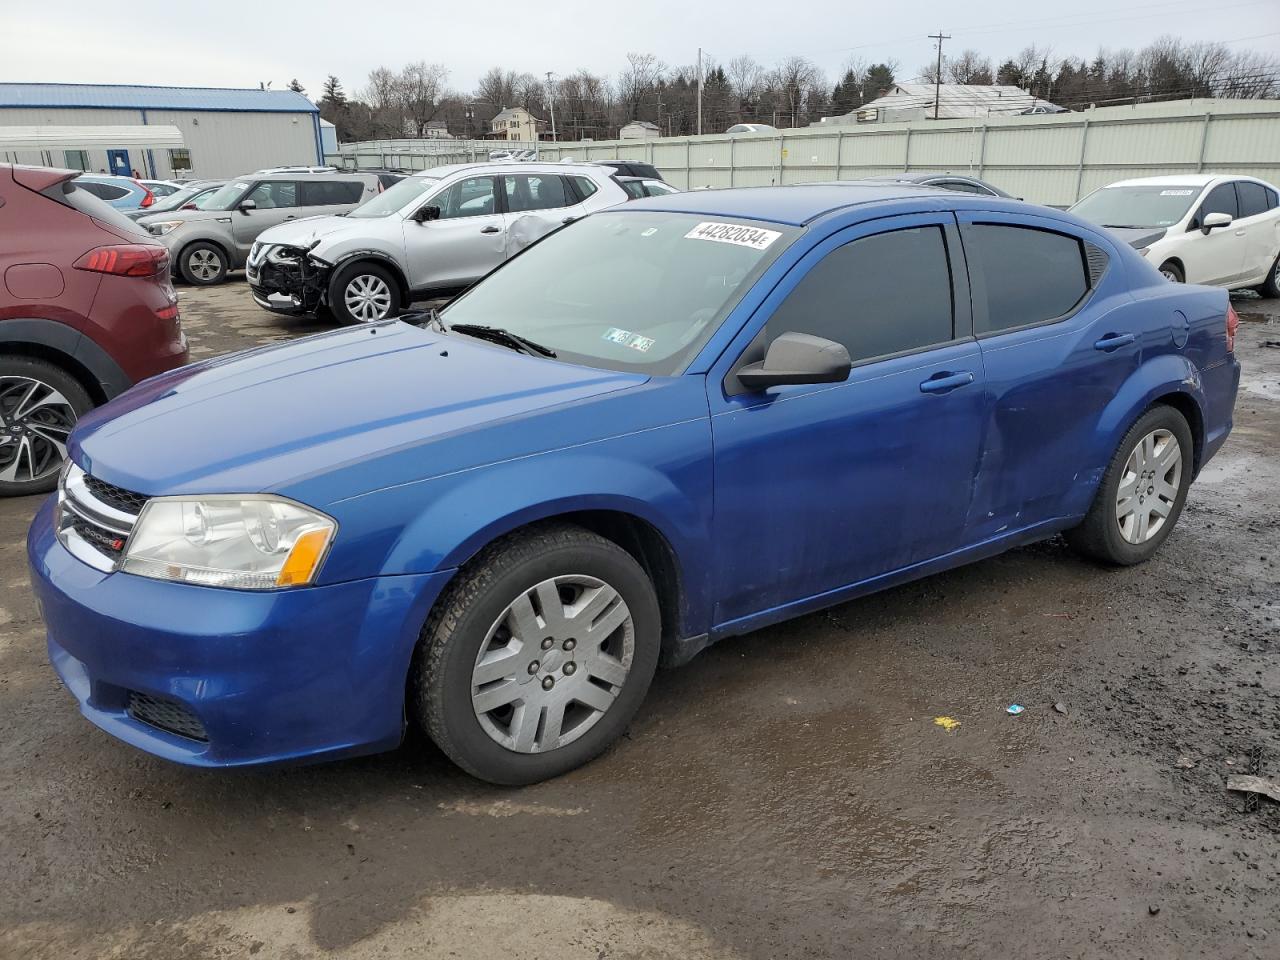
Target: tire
[(39, 404), (1106, 535), (1172, 271), (481, 615), (203, 264), (1270, 288), (364, 293)]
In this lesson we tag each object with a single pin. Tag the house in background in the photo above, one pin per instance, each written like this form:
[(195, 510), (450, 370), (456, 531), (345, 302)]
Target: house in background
[(956, 101), (639, 130), (437, 130), (516, 123), (224, 132)]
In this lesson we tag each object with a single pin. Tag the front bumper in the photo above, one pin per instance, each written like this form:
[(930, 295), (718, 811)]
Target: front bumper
[(292, 675), (286, 287)]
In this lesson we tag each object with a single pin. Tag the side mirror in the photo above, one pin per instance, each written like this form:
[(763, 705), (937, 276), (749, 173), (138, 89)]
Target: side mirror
[(189, 206), (247, 205), (427, 214), (797, 358), (1215, 221)]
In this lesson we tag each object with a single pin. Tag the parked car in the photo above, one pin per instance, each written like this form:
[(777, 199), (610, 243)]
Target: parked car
[(86, 310), (631, 168), (187, 197), (640, 187), (161, 188), (961, 183), (517, 155), (1221, 230), (209, 242), (269, 171), (436, 232), (752, 128), (387, 176), (122, 193), (677, 420)]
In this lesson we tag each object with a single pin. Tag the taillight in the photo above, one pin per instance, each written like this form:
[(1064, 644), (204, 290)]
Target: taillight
[(148, 198), (130, 260), (168, 313), (1233, 324)]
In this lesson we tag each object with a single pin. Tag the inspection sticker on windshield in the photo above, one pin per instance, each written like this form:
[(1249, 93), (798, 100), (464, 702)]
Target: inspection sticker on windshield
[(734, 233), (1176, 193), (625, 338)]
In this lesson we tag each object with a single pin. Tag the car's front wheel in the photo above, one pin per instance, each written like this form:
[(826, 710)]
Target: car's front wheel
[(364, 293), (203, 264), (1142, 492), (1172, 272), (39, 405), (539, 656)]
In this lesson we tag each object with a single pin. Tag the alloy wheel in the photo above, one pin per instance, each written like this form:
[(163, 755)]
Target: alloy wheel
[(204, 264), (35, 421), (1149, 486), (368, 298), (553, 663), (1170, 275)]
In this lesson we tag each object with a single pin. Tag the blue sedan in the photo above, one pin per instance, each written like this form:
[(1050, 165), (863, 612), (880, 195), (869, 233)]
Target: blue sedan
[(664, 425)]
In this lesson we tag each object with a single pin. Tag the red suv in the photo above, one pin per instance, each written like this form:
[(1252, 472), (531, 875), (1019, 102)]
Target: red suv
[(87, 309)]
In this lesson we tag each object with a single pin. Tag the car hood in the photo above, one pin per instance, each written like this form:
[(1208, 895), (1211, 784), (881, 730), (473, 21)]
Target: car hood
[(270, 418), (303, 233), (1138, 237)]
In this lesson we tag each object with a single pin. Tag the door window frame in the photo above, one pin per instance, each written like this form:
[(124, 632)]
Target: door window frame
[(749, 345)]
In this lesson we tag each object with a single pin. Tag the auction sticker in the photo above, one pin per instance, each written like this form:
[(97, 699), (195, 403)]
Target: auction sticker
[(625, 338), (735, 233), (1176, 193)]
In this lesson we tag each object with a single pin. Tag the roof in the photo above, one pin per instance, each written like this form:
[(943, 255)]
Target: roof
[(795, 205), (957, 100), (128, 97), (507, 113), (642, 123), (1180, 180), (507, 166)]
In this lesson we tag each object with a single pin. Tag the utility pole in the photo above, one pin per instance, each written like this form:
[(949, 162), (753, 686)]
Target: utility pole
[(699, 91), (551, 98), (937, 80)]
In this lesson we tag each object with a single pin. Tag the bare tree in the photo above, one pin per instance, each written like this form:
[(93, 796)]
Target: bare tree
[(793, 81), (497, 88), (638, 81), (746, 77), (969, 67), (422, 88)]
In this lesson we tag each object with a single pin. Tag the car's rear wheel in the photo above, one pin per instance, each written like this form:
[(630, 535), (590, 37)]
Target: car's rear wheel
[(39, 405), (1171, 271), (1142, 492), (203, 264), (364, 293), (539, 655), (1271, 286)]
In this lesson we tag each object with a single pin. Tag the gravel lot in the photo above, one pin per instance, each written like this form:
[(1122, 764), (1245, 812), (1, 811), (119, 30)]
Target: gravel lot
[(788, 794)]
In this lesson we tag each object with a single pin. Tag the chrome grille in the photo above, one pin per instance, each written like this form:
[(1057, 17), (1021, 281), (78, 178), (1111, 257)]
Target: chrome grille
[(95, 518)]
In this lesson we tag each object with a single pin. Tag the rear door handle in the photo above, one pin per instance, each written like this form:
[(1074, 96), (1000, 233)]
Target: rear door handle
[(291, 217), (945, 382), (491, 230), (1113, 341)]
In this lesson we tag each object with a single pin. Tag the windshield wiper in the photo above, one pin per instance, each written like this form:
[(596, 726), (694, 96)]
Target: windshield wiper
[(495, 335), (1127, 226)]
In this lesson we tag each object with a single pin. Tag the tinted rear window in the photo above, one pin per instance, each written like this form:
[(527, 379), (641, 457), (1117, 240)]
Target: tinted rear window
[(75, 196), (1030, 276), (1253, 198), (321, 193)]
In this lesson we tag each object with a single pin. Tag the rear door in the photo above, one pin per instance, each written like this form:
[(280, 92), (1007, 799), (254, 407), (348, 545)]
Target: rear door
[(467, 241), (1216, 257), (275, 201), (822, 486), (536, 204), (1057, 346), (1260, 220), (319, 198)]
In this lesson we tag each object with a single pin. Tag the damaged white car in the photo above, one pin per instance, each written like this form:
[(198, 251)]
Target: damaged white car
[(431, 234)]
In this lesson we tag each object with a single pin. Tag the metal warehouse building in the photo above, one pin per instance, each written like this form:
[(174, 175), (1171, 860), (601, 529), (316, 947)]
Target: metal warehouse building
[(199, 131)]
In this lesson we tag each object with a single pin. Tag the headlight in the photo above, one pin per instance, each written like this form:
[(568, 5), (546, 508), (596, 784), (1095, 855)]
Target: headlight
[(164, 226), (249, 543)]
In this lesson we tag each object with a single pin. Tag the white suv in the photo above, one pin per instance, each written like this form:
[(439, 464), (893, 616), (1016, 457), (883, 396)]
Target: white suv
[(431, 234), (1197, 228)]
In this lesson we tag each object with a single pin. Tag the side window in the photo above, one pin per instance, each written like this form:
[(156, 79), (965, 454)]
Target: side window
[(1272, 200), (1030, 276), (473, 197), (275, 194), (535, 192), (855, 295), (635, 188), (1221, 199), (76, 159), (328, 193), (103, 191), (1252, 197), (586, 186)]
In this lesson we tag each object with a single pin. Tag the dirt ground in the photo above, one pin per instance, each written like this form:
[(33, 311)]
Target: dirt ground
[(787, 794)]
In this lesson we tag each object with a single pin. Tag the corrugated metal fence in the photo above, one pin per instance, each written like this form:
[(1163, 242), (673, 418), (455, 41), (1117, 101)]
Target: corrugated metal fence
[(1053, 159)]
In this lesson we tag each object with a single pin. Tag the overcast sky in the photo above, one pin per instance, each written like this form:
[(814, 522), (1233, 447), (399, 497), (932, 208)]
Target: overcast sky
[(236, 44)]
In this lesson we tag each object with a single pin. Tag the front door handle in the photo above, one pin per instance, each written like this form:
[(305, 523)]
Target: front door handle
[(1113, 341), (946, 381), (1239, 233), (491, 230), (291, 217)]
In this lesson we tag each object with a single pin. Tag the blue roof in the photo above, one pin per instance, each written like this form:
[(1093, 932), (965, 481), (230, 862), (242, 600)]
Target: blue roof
[(125, 97), (796, 205)]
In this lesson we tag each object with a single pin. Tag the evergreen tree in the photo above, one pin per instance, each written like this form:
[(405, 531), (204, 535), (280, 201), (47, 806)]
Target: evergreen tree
[(296, 87)]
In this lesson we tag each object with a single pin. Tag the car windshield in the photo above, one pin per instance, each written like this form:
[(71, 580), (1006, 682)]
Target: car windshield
[(638, 291), (225, 197), (176, 199), (395, 198), (1145, 205)]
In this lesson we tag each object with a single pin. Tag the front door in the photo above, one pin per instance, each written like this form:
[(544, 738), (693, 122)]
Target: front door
[(118, 163), (467, 241), (1216, 257), (274, 202), (822, 486)]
